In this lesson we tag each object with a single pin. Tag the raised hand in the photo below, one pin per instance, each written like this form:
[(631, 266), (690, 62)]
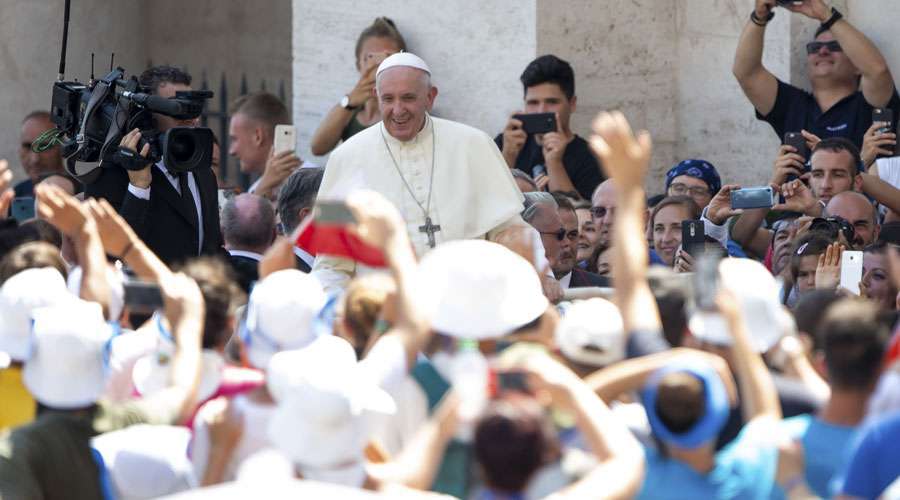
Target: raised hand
[(624, 157), (62, 210), (798, 198), (719, 209), (877, 144), (143, 177), (828, 270), (788, 162), (116, 235), (364, 88), (813, 9), (6, 194), (513, 140), (278, 168)]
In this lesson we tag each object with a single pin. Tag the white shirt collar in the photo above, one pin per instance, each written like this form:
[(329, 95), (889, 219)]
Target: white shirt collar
[(245, 253), (565, 280), (304, 255)]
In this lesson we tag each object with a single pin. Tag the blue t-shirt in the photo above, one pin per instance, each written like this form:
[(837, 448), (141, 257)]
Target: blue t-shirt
[(825, 451), (875, 462), (745, 469)]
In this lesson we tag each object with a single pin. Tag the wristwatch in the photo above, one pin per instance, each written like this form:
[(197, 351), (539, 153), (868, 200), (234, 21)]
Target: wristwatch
[(345, 103)]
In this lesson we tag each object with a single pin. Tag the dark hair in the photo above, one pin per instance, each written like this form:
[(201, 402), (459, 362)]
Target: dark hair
[(48, 233), (381, 27), (890, 233), (513, 439), (879, 247), (298, 192), (262, 107), (854, 338), (671, 301), (34, 254), (563, 201), (12, 235), (655, 199), (549, 69), (680, 401), (811, 243), (684, 201), (248, 221), (157, 75), (838, 144), (221, 296), (808, 312)]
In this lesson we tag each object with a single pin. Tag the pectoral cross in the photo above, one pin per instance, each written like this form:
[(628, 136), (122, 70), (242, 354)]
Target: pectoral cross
[(429, 229)]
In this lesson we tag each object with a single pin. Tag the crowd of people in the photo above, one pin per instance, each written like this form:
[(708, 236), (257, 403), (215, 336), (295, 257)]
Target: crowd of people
[(503, 317)]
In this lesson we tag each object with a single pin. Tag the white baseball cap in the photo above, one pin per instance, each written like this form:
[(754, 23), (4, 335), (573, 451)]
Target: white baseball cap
[(147, 461), (326, 405), (19, 296), (756, 290), (478, 289), (592, 333), (280, 314), (67, 366)]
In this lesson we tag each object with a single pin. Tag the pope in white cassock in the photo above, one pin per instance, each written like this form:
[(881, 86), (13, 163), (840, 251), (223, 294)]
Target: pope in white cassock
[(448, 180)]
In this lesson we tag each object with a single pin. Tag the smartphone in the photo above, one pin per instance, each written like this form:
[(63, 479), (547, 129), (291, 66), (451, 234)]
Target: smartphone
[(884, 115), (142, 297), (797, 140), (693, 236), (537, 123), (537, 171), (705, 280), (22, 208), (512, 381), (285, 138), (755, 197), (851, 270), (333, 213)]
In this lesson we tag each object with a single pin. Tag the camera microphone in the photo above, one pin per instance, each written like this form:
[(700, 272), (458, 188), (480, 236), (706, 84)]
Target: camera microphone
[(155, 102)]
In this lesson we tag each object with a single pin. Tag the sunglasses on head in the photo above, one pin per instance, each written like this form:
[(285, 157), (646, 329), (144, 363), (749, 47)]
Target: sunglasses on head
[(832, 46)]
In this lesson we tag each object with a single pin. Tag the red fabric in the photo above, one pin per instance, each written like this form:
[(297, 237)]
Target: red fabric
[(335, 240), (768, 260)]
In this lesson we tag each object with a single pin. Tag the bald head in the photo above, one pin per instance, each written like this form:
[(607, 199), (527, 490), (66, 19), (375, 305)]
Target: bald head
[(603, 209), (248, 223), (856, 209)]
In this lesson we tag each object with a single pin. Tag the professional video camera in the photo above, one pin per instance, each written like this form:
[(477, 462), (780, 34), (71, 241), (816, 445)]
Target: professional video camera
[(92, 118)]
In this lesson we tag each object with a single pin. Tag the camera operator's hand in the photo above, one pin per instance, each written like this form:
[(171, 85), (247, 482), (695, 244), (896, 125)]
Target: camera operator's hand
[(876, 143), (798, 198), (788, 162), (813, 9), (513, 140), (6, 194), (138, 178), (364, 88), (278, 168)]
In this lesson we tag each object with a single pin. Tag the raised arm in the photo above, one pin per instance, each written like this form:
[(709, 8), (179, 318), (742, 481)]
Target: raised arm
[(760, 86), (881, 191), (379, 224), (120, 241), (74, 220), (327, 136), (626, 159)]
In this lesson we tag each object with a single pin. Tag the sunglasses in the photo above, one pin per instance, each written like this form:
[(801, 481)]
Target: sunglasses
[(831, 226), (600, 212), (832, 46), (561, 234)]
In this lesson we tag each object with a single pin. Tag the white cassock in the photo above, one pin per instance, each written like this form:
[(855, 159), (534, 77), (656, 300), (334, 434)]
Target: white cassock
[(473, 194)]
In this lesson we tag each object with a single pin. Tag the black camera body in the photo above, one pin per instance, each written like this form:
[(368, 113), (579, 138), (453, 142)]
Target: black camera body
[(93, 118)]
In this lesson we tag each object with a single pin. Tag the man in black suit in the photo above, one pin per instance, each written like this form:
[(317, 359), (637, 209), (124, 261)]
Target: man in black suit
[(248, 227), (177, 215), (295, 202), (553, 216)]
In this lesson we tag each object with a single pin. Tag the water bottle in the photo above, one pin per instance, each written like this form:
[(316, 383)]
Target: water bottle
[(470, 380)]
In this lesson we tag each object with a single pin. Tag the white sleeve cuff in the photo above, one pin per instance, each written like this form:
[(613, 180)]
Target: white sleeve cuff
[(720, 233), (141, 193)]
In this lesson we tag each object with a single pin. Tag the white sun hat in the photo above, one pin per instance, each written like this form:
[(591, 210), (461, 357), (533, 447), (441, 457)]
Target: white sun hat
[(327, 407), (592, 333), (67, 366), (152, 372), (407, 59), (147, 461), (757, 292), (19, 296), (116, 279), (478, 289), (281, 314)]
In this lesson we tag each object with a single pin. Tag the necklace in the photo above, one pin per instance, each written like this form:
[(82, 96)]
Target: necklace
[(429, 229)]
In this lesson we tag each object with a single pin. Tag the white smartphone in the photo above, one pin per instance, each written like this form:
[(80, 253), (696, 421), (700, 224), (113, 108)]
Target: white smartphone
[(285, 138), (851, 270)]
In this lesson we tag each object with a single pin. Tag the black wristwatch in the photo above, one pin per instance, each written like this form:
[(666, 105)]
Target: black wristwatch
[(835, 17), (761, 22)]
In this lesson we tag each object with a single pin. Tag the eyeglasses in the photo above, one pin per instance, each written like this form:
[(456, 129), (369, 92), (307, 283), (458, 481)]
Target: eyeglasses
[(600, 212), (832, 46), (679, 189), (561, 234)]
